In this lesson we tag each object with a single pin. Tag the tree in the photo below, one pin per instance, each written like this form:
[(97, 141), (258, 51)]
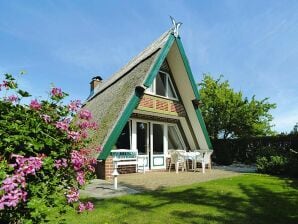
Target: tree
[(295, 129), (230, 115)]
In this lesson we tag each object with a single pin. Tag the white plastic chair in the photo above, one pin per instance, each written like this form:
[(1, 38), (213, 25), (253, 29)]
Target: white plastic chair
[(178, 160), (204, 158)]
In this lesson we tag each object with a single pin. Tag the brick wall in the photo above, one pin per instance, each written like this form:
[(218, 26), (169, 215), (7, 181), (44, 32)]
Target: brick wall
[(147, 102), (161, 105), (123, 169), (104, 169)]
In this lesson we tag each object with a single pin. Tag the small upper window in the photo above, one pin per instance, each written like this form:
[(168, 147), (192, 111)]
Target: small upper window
[(163, 86)]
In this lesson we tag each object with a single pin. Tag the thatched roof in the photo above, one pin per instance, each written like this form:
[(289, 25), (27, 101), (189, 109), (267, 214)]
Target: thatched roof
[(110, 98)]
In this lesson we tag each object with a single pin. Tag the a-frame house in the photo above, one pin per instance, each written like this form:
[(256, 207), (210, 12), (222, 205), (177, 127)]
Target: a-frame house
[(151, 104)]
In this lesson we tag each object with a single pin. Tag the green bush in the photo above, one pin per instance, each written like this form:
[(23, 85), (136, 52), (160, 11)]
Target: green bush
[(272, 164), (43, 155)]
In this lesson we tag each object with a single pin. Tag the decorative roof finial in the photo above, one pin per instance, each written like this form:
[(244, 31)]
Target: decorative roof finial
[(176, 26)]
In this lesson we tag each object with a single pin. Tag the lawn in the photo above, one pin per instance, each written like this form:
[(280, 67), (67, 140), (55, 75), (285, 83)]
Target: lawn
[(251, 198)]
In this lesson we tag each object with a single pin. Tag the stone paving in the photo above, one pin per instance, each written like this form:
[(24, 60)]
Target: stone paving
[(101, 189), (138, 182)]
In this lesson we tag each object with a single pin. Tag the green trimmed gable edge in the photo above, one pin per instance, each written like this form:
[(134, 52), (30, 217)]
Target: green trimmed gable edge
[(195, 90), (156, 66), (134, 101)]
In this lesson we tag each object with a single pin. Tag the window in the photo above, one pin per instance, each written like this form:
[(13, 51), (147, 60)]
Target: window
[(123, 141), (162, 85), (158, 136), (174, 138)]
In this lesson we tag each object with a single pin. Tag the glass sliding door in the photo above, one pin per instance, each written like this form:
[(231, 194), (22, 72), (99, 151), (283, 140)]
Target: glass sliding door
[(142, 143), (153, 139), (158, 145), (124, 141), (142, 138)]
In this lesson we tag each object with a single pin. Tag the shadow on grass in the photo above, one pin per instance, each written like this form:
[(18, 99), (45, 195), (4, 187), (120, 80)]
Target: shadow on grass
[(242, 203)]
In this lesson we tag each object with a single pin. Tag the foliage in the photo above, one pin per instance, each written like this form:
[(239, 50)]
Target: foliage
[(273, 154), (277, 161), (44, 158), (271, 165), (295, 129), (229, 115), (244, 199)]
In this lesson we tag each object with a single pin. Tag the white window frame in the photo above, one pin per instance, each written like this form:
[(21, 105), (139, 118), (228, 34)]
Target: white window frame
[(152, 88), (150, 139)]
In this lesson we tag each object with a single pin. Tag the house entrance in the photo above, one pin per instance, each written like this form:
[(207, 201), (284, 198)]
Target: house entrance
[(152, 139), (142, 141), (149, 139)]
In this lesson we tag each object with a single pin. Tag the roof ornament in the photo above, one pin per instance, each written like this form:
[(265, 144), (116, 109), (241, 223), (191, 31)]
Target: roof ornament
[(175, 27)]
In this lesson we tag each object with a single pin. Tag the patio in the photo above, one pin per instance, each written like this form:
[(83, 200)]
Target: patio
[(156, 180), (137, 182)]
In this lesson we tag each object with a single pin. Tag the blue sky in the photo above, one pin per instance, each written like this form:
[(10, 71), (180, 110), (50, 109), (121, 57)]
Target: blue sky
[(253, 43)]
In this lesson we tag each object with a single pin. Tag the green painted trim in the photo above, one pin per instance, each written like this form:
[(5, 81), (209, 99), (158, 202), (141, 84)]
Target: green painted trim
[(112, 138), (119, 127), (156, 66), (204, 129), (195, 90)]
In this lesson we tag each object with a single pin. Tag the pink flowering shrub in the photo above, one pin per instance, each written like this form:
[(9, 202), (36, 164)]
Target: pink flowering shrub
[(44, 154), (35, 105)]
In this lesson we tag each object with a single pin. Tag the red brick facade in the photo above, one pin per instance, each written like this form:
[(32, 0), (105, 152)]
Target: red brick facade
[(105, 168), (161, 105), (147, 102), (123, 169)]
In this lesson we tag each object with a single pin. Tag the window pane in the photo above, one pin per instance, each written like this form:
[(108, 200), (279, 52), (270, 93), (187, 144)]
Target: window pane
[(161, 84), (157, 139), (123, 141), (171, 92), (142, 138), (173, 138)]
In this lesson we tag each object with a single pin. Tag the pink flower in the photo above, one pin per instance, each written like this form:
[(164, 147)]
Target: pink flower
[(92, 161), (35, 105), (89, 206), (14, 185), (46, 118), (72, 195), (62, 125), (83, 125), (77, 160), (93, 125), (85, 114), (29, 165), (9, 184), (73, 135), (74, 105), (5, 84), (84, 134), (60, 163), (91, 168), (81, 177), (12, 99), (81, 207), (56, 92)]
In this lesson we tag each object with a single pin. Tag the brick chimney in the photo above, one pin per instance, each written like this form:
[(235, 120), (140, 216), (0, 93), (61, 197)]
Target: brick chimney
[(97, 80)]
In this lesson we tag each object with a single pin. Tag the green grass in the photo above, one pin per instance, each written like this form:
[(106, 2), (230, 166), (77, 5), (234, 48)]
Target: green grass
[(243, 199)]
